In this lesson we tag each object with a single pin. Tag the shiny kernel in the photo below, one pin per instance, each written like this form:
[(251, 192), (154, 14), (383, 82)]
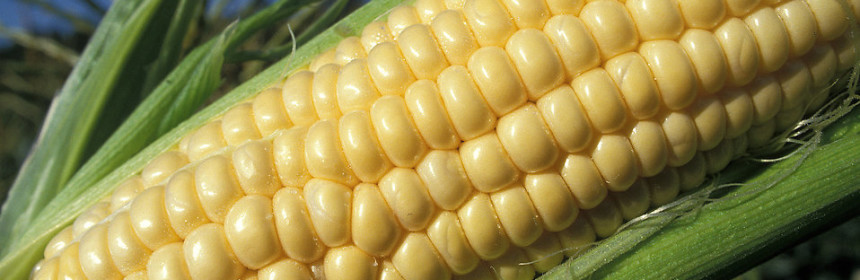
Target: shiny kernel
[(447, 236), (481, 272), (601, 100), (705, 14), (149, 219), (325, 91), (125, 192), (544, 252), (482, 227), (719, 157), (552, 200), (125, 247), (217, 187), (740, 8), (205, 140), (425, 105), (673, 72), (168, 263), (59, 242), (69, 266), (238, 125), (517, 214), (467, 109), (255, 168), (361, 147), (611, 26), (454, 36), (709, 115), (374, 227), (574, 43), (536, 60), (566, 118), (408, 198), (324, 156), (209, 256), (528, 14), (454, 4), (348, 49), (285, 269), (766, 96), (832, 18), (487, 164), (324, 58), (269, 113), (509, 266), (801, 25), (498, 80), (822, 64), (443, 174), (288, 149), (772, 38), (416, 258), (649, 144), (584, 180), (681, 135), (656, 19), (92, 216), (616, 161), (634, 201), (741, 51), (565, 7), (183, 205), (354, 88), (422, 53), (605, 218), (250, 229), (577, 237), (48, 269), (349, 263), (527, 139), (375, 33), (329, 208), (162, 167), (739, 112), (95, 256), (692, 174), (298, 101), (490, 21), (388, 69), (294, 227), (387, 271), (633, 77), (400, 18), (428, 9), (397, 133), (707, 58)]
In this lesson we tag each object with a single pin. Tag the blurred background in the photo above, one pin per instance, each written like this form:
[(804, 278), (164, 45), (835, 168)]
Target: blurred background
[(40, 41)]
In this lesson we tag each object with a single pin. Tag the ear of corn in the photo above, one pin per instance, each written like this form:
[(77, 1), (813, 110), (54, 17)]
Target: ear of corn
[(446, 143)]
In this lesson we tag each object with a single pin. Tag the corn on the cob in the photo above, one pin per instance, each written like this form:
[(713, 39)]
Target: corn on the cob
[(464, 138)]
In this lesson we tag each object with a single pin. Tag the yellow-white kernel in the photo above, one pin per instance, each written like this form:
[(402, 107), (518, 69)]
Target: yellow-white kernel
[(740, 8), (800, 24), (822, 64), (616, 161), (285, 269), (741, 51), (681, 135), (448, 238), (666, 180), (601, 100), (705, 14), (324, 58), (269, 112), (527, 140), (707, 57), (709, 115), (482, 227), (125, 192), (250, 228), (692, 174), (400, 18), (634, 201), (387, 271), (847, 49), (536, 61), (354, 88), (288, 149), (348, 49), (349, 263), (217, 187), (238, 125), (490, 21), (577, 237), (416, 258), (95, 256), (329, 208), (374, 227), (388, 69), (584, 181), (374, 34), (673, 72), (574, 43), (454, 4), (468, 110), (605, 218), (294, 227), (59, 242), (255, 168), (90, 218), (324, 156), (297, 98), (422, 53), (48, 269), (656, 19), (552, 200), (663, 190), (70, 264), (772, 38), (125, 247), (361, 147), (205, 140), (566, 118), (167, 263), (565, 7), (612, 27), (831, 17), (633, 77), (408, 198), (454, 36), (325, 91), (149, 219), (739, 111), (430, 116), (528, 14), (499, 81), (509, 266), (649, 144), (766, 96), (544, 252), (182, 204), (209, 256), (443, 174), (162, 167), (428, 9), (517, 215), (397, 133), (719, 157), (487, 164)]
